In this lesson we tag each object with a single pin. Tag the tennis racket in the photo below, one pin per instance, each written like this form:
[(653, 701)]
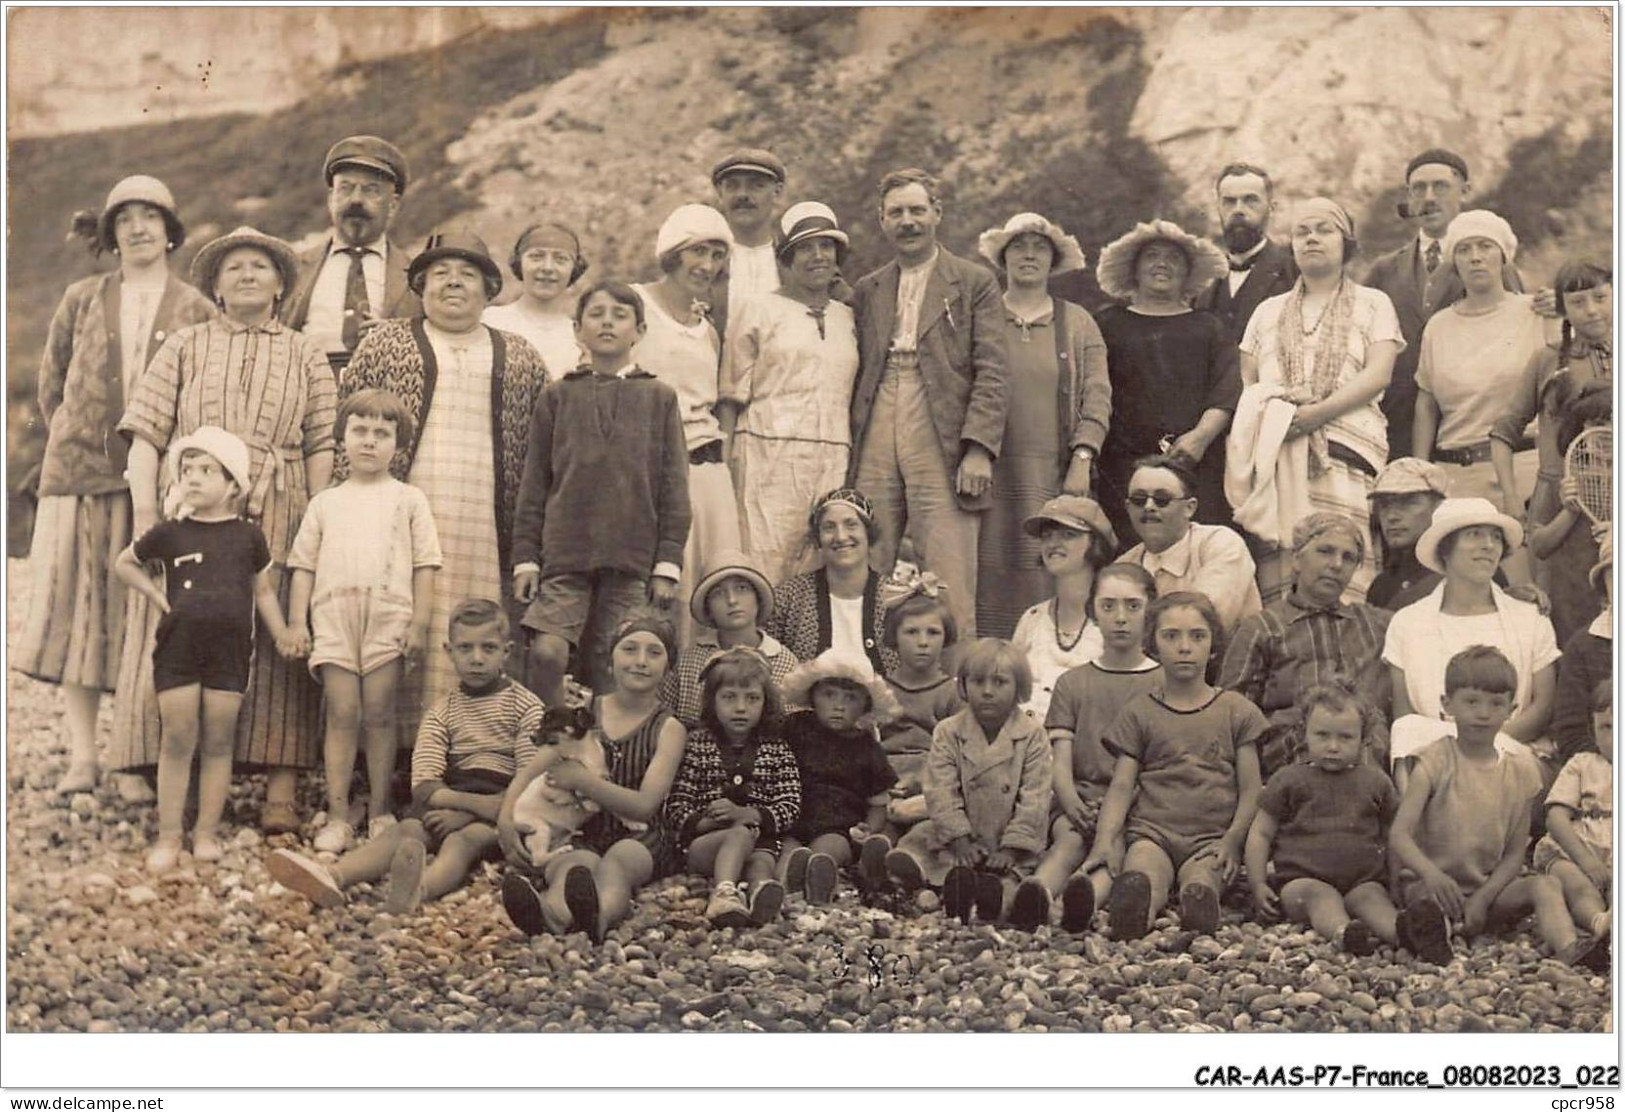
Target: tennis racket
[(1590, 463)]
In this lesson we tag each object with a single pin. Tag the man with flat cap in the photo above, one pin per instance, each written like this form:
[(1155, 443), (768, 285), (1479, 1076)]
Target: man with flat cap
[(1418, 279), (355, 277), (749, 185)]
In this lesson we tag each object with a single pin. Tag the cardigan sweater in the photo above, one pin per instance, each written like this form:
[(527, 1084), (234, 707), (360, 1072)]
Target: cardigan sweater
[(396, 356), (801, 619), (606, 477), (81, 381)]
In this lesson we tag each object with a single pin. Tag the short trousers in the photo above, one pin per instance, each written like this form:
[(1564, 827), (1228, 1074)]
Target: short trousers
[(590, 604), (358, 629), (773, 845), (1548, 853), (1180, 848), (215, 652), (599, 835), (1345, 881), (493, 852)]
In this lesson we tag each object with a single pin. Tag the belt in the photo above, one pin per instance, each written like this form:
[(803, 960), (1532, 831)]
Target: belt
[(1463, 457), (904, 360), (1349, 456), (338, 360), (709, 452)]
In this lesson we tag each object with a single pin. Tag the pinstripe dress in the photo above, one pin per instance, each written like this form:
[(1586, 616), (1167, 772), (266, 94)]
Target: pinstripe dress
[(274, 389)]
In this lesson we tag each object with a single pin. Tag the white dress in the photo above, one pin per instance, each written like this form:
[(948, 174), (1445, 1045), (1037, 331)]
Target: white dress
[(554, 335), (1049, 660)]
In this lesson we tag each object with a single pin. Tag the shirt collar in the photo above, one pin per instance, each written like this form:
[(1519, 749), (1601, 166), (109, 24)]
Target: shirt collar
[(706, 638), (338, 247), (1297, 611), (238, 328), (1175, 559), (922, 268), (1252, 253), (1424, 241)]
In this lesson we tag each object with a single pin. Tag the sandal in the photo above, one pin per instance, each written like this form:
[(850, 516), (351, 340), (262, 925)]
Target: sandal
[(279, 818)]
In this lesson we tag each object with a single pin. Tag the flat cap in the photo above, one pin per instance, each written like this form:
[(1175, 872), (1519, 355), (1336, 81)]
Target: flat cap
[(369, 152), (750, 160)]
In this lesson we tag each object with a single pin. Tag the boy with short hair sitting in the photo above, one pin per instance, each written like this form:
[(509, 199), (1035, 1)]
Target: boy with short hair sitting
[(468, 748), (1463, 825)]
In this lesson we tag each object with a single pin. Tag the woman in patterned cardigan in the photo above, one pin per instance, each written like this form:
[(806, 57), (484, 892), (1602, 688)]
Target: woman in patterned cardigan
[(470, 389)]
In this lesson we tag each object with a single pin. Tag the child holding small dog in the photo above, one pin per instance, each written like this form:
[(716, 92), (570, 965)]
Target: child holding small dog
[(468, 748), (736, 790), (1323, 823), (545, 814)]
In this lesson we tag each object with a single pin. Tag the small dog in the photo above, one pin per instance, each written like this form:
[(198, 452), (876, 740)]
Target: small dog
[(544, 814)]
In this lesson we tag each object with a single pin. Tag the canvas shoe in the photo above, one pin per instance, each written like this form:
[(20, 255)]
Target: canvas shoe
[(1128, 910), (872, 860), (336, 837), (793, 869), (902, 867), (405, 878), (1199, 908), (766, 901), (523, 905), (822, 876), (309, 878), (581, 897), (1029, 910), (727, 907), (959, 893), (1358, 939), (1424, 930), (989, 897), (1077, 904)]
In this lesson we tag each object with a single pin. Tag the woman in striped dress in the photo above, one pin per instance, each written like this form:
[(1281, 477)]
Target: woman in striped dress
[(104, 332), (251, 375)]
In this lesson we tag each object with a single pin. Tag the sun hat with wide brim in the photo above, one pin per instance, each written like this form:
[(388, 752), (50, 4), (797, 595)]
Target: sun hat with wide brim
[(833, 664), (206, 267), (1460, 513), (456, 243), (1115, 271), (1068, 255), (724, 565)]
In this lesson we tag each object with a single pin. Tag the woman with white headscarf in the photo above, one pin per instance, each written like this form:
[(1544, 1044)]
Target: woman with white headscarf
[(681, 349), (1327, 346)]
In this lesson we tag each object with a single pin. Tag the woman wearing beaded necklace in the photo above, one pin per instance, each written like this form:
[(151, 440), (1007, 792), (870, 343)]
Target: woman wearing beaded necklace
[(1329, 346), (1075, 540)]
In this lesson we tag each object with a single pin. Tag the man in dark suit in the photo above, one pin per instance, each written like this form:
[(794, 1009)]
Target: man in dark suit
[(1259, 268), (355, 277), (1418, 279), (928, 407)]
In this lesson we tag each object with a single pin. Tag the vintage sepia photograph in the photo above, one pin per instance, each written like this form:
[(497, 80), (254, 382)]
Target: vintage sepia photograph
[(810, 519)]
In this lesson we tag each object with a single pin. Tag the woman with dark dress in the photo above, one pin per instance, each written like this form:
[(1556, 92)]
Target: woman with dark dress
[(1175, 376)]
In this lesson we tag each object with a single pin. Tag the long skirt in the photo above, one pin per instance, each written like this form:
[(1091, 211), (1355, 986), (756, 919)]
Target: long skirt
[(715, 529), (74, 630), (279, 724), (777, 482), (1339, 489)]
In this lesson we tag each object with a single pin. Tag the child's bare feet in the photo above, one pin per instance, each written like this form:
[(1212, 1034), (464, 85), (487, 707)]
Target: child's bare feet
[(164, 855), (206, 846), (78, 778), (300, 874), (405, 878), (336, 837), (133, 788)]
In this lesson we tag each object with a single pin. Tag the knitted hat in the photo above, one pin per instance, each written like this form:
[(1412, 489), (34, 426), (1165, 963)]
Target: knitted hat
[(1068, 255), (1440, 156), (1475, 224)]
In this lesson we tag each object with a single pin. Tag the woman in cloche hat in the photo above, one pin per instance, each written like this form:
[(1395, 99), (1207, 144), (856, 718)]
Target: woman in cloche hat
[(101, 336), (255, 377)]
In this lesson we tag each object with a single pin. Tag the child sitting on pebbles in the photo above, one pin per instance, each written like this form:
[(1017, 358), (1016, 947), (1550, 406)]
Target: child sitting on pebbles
[(1186, 781), (1323, 823), (987, 790), (736, 789), (1463, 826), (1578, 848), (845, 778), (919, 627), (468, 748)]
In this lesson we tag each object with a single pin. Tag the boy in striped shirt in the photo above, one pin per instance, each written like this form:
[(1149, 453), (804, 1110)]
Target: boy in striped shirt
[(468, 747)]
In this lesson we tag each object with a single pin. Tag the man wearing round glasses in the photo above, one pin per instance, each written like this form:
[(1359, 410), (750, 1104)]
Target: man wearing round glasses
[(1183, 555), (355, 277)]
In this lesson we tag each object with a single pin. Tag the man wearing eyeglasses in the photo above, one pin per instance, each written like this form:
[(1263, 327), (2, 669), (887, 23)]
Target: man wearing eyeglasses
[(1418, 279), (355, 277)]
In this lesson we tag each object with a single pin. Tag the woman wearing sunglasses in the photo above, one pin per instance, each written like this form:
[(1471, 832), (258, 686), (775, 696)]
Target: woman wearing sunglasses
[(1181, 554)]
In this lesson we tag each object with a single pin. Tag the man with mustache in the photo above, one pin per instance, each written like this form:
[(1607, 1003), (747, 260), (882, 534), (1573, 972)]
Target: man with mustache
[(1259, 268), (929, 406), (749, 185), (1418, 279), (355, 277)]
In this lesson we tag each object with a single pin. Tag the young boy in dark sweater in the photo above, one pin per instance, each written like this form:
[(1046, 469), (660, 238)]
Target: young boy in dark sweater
[(603, 510)]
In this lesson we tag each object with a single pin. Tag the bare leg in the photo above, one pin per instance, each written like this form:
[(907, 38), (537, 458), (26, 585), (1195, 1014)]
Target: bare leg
[(370, 860), (720, 854), (837, 846), (759, 866), (1065, 855), (341, 691), (458, 854), (1145, 856), (1585, 903), (378, 690), (555, 910), (80, 719), (1370, 904), (179, 711), (281, 785), (550, 659), (624, 869), (214, 763), (1306, 900), (1544, 896)]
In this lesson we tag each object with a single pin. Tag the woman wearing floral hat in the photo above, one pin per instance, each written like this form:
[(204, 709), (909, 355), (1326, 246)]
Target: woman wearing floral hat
[(787, 371), (1060, 406), (103, 333), (250, 374), (1173, 371)]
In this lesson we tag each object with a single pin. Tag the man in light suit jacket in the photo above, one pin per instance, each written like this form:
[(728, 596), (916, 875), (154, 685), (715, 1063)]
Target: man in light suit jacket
[(928, 407), (356, 277), (1419, 280), (1259, 268)]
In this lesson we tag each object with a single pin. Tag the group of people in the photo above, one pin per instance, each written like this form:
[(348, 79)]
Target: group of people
[(933, 575)]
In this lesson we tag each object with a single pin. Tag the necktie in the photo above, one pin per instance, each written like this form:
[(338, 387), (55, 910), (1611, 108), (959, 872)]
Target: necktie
[(355, 297), (1431, 259)]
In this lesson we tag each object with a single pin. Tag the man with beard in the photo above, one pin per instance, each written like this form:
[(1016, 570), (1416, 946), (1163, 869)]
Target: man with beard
[(1259, 269), (929, 405), (355, 277), (1419, 280), (749, 185)]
